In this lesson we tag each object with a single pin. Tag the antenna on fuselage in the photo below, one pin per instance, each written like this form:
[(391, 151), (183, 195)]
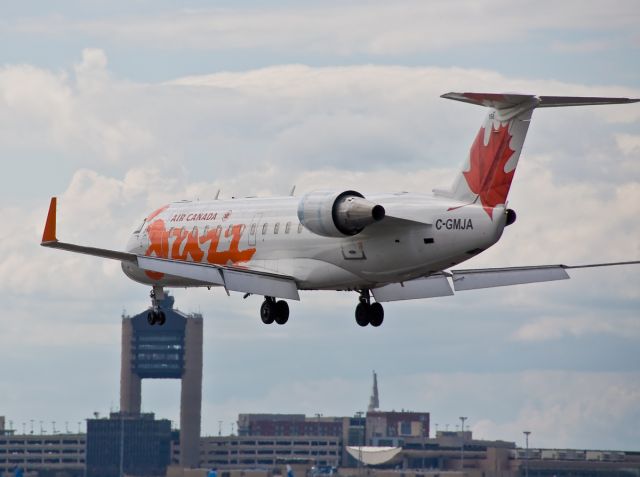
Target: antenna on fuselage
[(293, 189), (217, 195)]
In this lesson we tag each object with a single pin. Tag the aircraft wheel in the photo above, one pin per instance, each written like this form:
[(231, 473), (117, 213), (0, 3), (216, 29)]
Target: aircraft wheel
[(362, 314), (161, 318), (151, 318), (282, 312), (267, 311), (376, 314)]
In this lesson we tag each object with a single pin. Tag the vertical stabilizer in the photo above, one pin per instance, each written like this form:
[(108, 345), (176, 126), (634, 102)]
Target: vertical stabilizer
[(488, 172)]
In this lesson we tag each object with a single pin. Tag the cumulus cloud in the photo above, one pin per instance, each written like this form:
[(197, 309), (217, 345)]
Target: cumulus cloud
[(72, 115), (132, 147)]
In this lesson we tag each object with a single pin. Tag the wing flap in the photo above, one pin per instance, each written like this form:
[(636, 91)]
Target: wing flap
[(428, 287), (233, 279), (500, 277)]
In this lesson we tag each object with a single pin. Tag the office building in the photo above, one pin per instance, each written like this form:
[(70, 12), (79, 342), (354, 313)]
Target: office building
[(137, 444)]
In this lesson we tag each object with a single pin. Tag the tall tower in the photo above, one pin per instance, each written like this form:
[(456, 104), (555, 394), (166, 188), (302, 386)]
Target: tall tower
[(171, 351), (374, 401)]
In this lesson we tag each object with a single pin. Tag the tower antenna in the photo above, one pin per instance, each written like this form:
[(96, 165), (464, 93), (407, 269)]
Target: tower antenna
[(374, 400)]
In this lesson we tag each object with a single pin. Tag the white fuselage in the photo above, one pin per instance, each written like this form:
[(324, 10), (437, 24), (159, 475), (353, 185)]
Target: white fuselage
[(265, 234)]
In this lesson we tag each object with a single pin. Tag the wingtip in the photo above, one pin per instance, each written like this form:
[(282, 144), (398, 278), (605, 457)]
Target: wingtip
[(49, 234)]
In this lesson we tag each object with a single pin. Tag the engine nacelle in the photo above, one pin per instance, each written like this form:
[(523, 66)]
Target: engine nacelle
[(337, 214)]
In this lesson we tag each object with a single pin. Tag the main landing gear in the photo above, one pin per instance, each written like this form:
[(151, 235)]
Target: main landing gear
[(272, 310), (368, 313), (156, 316)]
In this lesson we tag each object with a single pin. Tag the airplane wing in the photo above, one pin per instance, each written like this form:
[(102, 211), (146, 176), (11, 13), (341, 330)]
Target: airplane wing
[(500, 277), (438, 284), (240, 279)]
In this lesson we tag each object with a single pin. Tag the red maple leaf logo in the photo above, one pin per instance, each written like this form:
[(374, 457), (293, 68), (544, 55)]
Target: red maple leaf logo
[(486, 176)]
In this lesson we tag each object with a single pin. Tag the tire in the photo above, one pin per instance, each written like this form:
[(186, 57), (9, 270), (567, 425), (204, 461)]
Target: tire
[(362, 314), (161, 318), (267, 312), (282, 312), (376, 314), (151, 318)]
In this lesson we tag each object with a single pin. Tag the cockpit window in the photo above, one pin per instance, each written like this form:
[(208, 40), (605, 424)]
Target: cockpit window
[(137, 230)]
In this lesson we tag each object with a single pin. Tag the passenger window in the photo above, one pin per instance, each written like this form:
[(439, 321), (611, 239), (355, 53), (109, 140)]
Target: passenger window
[(264, 228), (253, 229), (299, 228), (287, 228), (276, 228)]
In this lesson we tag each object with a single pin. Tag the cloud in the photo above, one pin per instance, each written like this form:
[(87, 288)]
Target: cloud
[(553, 328), (587, 46), (130, 147), (629, 144), (371, 27), (74, 115), (372, 128), (562, 409)]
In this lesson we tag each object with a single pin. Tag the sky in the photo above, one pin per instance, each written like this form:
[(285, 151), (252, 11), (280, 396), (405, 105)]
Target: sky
[(119, 107)]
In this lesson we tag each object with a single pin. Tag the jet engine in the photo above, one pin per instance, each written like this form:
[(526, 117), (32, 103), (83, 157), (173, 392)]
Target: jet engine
[(337, 214)]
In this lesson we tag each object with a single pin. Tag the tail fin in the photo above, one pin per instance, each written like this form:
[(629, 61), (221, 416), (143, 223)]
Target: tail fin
[(487, 174)]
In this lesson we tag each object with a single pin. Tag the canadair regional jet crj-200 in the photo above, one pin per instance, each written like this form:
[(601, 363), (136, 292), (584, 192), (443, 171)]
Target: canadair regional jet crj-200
[(397, 246)]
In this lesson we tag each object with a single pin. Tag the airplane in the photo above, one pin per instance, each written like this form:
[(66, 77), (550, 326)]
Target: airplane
[(385, 247)]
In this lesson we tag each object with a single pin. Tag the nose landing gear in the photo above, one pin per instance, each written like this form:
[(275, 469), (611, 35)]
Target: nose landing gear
[(156, 315), (272, 310), (368, 313)]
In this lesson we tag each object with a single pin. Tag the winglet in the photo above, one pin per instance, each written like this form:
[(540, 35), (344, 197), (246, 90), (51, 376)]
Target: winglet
[(49, 234)]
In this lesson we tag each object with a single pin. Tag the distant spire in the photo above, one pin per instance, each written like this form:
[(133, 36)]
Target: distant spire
[(374, 401)]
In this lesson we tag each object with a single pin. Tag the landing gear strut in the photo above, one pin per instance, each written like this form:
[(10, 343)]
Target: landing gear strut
[(368, 313), (272, 310), (156, 315)]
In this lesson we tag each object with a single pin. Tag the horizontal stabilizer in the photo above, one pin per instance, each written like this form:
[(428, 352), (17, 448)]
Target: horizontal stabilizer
[(508, 100)]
